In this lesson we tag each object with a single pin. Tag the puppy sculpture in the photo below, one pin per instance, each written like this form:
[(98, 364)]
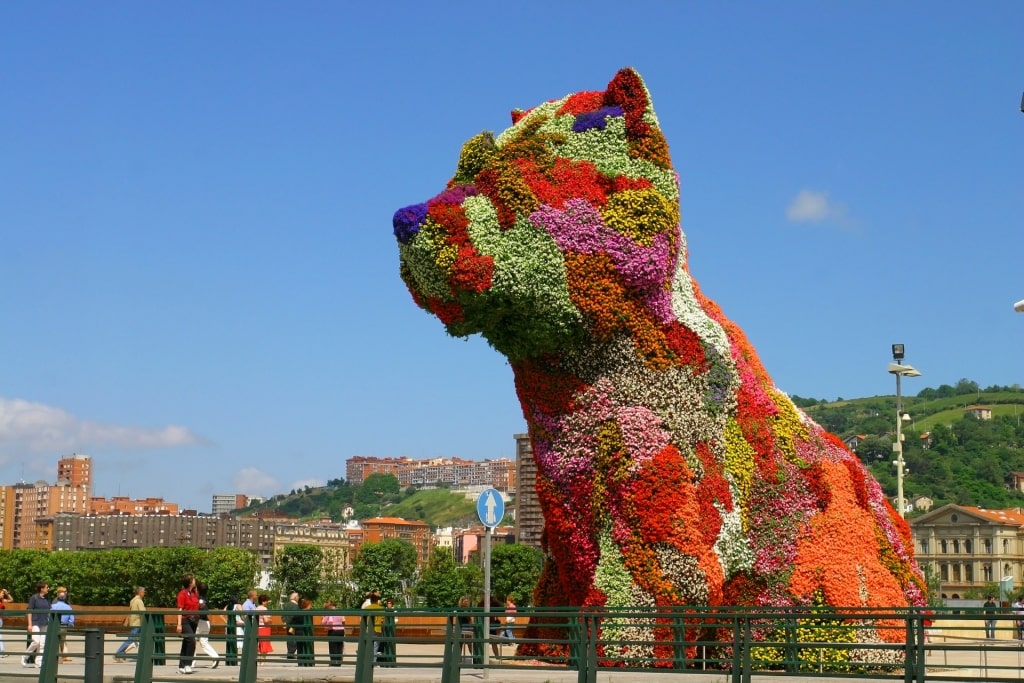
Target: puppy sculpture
[(670, 470)]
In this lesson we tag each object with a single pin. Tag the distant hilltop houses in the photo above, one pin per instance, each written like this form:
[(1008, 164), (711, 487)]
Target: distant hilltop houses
[(65, 516)]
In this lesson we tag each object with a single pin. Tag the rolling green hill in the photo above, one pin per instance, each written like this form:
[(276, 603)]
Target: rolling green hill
[(951, 456), (436, 507)]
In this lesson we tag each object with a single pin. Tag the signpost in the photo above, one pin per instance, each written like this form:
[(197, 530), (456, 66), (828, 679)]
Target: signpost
[(490, 508)]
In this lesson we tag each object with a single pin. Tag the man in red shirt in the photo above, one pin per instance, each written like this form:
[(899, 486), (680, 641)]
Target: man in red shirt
[(188, 617)]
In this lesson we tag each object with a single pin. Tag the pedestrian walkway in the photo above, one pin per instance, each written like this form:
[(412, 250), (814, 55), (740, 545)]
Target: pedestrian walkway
[(954, 660)]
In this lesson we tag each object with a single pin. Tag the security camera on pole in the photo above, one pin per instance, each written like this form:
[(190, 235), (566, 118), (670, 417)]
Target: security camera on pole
[(490, 508)]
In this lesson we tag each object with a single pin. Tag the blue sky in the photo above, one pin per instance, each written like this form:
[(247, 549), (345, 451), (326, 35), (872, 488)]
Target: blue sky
[(200, 282)]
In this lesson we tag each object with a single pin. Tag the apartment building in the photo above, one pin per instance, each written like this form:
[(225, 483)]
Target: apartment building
[(448, 472), (100, 532), (228, 502), (25, 503), (380, 529), (122, 505), (529, 516)]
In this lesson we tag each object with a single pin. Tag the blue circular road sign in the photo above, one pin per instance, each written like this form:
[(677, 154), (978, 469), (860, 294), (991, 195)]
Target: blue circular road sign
[(490, 507)]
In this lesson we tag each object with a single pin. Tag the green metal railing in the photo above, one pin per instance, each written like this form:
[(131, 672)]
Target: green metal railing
[(739, 643)]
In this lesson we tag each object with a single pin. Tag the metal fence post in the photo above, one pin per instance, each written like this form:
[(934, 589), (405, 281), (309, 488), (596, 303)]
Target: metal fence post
[(51, 649), (747, 654), (93, 655), (147, 645), (364, 655), (247, 659), (451, 664)]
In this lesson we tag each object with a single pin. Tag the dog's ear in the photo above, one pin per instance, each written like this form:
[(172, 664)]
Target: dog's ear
[(627, 90)]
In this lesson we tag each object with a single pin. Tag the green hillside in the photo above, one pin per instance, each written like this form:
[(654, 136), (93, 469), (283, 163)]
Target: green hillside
[(951, 456), (436, 507), (379, 495)]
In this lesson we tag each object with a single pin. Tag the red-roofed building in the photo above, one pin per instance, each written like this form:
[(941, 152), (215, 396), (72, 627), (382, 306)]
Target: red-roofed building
[(385, 528), (969, 547)]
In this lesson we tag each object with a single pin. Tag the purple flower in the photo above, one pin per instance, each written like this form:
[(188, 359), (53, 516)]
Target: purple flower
[(408, 221), (595, 119), (455, 195)]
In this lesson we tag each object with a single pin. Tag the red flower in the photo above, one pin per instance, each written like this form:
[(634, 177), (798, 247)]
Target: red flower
[(582, 102), (449, 312)]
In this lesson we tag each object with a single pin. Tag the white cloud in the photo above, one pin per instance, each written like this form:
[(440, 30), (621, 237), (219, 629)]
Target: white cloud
[(252, 481), (817, 207), (27, 427)]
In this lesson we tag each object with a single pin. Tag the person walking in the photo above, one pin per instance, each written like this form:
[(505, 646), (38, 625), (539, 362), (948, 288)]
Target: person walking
[(304, 635), (510, 616), (292, 621), (377, 623), (38, 616), (67, 619), (466, 631), (188, 618), (388, 646), (231, 643), (203, 625), (334, 624), (5, 597), (134, 623), (1018, 615), (990, 617), (264, 646)]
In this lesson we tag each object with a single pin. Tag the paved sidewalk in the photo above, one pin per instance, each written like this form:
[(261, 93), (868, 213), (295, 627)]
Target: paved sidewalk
[(962, 661)]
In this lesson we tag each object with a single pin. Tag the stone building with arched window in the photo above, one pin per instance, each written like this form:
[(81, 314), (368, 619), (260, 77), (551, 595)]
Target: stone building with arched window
[(969, 547)]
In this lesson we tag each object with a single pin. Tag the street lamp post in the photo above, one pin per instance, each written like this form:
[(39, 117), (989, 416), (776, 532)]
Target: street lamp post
[(901, 371)]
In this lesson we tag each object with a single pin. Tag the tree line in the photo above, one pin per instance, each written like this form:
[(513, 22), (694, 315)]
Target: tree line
[(109, 577), (390, 568)]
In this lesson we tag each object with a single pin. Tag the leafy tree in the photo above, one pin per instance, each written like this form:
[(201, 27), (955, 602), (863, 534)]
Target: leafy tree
[(874, 448), (336, 579), (515, 569), (377, 488), (386, 566), (473, 580), (109, 577), (442, 583), (298, 568)]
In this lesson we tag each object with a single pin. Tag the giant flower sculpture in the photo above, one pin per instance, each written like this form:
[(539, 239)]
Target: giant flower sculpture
[(671, 471)]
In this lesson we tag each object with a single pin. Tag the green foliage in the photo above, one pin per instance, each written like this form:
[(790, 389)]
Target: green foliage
[(378, 489), (109, 577), (961, 459), (442, 583), (515, 570), (336, 579), (436, 507), (298, 568), (379, 495), (388, 567)]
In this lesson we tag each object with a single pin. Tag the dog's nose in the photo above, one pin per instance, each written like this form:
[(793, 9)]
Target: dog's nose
[(408, 221)]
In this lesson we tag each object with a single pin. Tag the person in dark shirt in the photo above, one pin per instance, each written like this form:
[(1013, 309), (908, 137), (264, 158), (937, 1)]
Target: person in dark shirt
[(39, 615), (293, 622), (990, 617)]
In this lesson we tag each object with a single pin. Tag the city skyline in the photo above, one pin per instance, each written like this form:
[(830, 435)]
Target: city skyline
[(202, 286)]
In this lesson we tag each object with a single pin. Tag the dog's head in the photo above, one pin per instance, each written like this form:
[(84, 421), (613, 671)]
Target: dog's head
[(563, 227)]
